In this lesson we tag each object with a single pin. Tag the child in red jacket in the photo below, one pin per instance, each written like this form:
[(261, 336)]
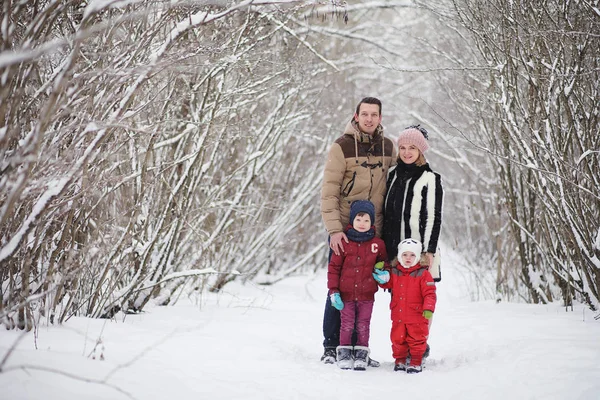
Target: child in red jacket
[(413, 303), (352, 287)]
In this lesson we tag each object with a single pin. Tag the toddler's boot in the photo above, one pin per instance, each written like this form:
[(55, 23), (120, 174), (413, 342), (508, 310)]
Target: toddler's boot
[(400, 365), (414, 369)]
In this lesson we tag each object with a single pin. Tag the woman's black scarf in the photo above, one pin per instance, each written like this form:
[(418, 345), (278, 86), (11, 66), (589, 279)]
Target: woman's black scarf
[(405, 172)]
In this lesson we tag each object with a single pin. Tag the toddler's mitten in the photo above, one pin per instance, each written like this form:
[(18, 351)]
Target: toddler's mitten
[(381, 277), (336, 301), (427, 314), (379, 265)]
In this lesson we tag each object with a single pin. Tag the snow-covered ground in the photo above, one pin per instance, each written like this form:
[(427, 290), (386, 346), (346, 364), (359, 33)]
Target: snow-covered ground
[(264, 342)]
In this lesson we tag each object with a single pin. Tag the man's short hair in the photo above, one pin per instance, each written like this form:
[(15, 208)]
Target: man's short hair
[(369, 100)]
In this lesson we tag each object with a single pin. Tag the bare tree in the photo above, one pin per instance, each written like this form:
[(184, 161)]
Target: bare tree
[(134, 141), (539, 115)]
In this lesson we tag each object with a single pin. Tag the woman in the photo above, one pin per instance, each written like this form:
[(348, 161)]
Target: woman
[(413, 204)]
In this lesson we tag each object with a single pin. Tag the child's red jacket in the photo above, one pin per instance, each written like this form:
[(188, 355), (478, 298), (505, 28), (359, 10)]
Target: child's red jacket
[(350, 273), (413, 291)]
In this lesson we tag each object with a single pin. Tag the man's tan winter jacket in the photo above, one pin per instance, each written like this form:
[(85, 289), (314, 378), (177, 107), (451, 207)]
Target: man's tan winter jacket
[(356, 169)]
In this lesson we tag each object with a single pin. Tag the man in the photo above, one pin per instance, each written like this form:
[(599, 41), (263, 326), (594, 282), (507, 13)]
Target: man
[(356, 169)]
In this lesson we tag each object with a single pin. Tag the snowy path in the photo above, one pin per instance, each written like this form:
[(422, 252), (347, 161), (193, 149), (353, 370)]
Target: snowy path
[(256, 343)]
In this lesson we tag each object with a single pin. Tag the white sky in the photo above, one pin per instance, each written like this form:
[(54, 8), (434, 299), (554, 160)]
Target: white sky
[(256, 343)]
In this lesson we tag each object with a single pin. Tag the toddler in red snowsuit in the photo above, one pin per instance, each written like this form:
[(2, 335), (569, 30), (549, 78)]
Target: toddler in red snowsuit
[(412, 305)]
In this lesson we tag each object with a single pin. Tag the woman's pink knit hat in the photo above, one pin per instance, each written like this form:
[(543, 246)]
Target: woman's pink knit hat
[(413, 136)]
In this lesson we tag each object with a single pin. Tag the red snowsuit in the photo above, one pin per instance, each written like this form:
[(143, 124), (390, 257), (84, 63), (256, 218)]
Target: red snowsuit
[(413, 291)]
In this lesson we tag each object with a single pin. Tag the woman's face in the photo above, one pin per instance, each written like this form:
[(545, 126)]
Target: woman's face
[(408, 153)]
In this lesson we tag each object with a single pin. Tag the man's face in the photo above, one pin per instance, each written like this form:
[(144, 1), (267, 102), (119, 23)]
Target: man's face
[(368, 118)]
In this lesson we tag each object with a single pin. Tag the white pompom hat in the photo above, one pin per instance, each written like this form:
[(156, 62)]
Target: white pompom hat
[(410, 246)]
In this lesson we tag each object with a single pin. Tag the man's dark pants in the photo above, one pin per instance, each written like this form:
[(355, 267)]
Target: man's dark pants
[(332, 322)]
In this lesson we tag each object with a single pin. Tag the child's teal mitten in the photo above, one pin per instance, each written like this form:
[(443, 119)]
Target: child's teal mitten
[(381, 276), (336, 301)]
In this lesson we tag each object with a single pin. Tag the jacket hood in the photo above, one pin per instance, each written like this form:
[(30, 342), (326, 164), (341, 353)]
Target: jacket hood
[(361, 137), (353, 130)]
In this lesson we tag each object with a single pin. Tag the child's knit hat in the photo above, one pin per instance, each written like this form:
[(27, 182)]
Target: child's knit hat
[(413, 135), (411, 246), (365, 206)]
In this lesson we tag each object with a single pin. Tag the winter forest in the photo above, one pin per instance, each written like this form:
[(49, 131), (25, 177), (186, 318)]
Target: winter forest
[(153, 149)]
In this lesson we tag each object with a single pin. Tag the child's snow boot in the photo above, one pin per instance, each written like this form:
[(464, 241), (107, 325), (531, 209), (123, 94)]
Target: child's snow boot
[(345, 358), (414, 369), (361, 355), (400, 365), (328, 356)]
